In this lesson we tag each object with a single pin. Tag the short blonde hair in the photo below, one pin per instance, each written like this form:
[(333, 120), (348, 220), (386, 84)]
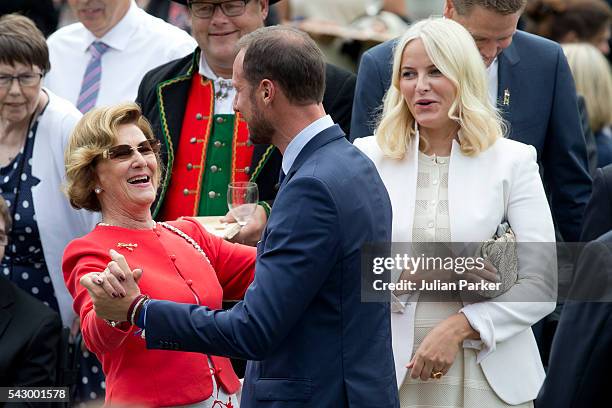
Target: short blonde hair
[(593, 81), (453, 51), (92, 136)]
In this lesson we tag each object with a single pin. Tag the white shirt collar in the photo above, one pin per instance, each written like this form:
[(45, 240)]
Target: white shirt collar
[(301, 139), (118, 37), (492, 79), (221, 105)]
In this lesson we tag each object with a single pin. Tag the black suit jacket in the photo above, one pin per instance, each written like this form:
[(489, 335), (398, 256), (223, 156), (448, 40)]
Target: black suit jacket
[(167, 86), (598, 213), (30, 333), (578, 371)]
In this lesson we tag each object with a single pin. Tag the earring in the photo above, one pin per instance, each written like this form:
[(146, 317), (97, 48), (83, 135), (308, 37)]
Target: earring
[(97, 190)]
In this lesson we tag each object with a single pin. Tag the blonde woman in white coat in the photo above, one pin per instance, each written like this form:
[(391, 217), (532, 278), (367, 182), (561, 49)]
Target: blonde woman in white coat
[(451, 176)]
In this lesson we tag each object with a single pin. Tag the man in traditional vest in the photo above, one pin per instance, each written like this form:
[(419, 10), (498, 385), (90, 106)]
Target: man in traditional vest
[(205, 145)]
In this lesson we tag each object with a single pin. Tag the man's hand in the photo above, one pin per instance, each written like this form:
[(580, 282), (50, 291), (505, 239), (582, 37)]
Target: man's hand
[(250, 234), (113, 290)]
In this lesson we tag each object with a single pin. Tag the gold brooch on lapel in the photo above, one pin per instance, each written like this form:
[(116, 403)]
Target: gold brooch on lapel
[(128, 246), (506, 101)]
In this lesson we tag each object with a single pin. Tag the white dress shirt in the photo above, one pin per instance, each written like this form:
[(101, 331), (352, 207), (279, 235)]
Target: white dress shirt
[(138, 43), (492, 78), (225, 104), (301, 139)]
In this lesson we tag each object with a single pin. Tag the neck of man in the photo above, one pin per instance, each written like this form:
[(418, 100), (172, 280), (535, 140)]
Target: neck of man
[(292, 120), (128, 219), (222, 69)]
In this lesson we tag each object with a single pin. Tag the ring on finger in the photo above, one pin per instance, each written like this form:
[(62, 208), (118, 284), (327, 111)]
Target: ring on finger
[(436, 375)]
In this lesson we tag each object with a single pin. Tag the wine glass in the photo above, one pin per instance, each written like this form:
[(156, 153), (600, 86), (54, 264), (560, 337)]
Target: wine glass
[(242, 198)]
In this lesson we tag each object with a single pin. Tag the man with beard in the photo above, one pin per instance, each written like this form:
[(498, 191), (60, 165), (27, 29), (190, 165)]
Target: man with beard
[(205, 145), (310, 339)]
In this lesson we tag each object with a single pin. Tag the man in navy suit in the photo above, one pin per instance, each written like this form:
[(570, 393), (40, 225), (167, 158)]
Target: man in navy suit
[(531, 83), (579, 367), (312, 342)]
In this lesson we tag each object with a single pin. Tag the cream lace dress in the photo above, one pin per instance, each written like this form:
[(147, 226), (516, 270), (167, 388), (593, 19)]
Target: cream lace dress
[(465, 384)]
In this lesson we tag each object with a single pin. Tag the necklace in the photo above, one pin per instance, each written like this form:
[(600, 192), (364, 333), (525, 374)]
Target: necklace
[(186, 238)]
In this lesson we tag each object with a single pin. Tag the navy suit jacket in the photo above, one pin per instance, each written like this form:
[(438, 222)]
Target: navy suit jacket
[(541, 111), (312, 341), (598, 213), (579, 367)]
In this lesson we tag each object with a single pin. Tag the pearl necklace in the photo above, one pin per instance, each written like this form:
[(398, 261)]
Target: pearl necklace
[(187, 238)]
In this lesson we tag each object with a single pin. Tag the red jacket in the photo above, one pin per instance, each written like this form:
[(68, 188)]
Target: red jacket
[(173, 270)]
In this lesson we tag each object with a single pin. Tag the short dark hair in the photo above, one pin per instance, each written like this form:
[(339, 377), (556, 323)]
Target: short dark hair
[(287, 56), (554, 20), (5, 215), (22, 42), (504, 7)]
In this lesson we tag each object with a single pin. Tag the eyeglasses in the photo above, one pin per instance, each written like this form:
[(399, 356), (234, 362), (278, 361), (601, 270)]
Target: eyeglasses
[(204, 9), (24, 80), (124, 151)]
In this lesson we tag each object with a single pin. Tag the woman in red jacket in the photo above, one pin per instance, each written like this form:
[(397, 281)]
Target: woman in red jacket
[(113, 166)]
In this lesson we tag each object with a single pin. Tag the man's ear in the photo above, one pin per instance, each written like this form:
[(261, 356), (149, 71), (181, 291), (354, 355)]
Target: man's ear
[(264, 8), (268, 90), (449, 9)]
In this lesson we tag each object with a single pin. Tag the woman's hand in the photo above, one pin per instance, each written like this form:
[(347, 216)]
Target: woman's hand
[(101, 291), (439, 348)]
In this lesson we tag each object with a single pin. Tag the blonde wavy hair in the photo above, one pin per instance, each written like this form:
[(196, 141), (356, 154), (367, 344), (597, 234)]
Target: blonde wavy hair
[(453, 51), (593, 79), (92, 136)]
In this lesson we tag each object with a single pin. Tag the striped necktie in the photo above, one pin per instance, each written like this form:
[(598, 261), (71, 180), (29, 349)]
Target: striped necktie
[(91, 80)]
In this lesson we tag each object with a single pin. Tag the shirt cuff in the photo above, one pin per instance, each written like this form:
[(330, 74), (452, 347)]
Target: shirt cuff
[(481, 322), (142, 316)]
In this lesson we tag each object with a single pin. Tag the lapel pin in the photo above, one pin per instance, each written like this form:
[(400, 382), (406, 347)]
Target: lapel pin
[(128, 246), (506, 101)]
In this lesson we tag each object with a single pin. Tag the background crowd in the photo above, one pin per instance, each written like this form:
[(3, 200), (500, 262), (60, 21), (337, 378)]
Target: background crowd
[(547, 85)]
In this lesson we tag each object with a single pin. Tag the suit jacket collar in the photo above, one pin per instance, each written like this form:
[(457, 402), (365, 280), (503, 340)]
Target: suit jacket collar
[(507, 72), (328, 135)]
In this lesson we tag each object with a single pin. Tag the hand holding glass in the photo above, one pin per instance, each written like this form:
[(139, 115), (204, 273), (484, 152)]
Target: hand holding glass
[(242, 198)]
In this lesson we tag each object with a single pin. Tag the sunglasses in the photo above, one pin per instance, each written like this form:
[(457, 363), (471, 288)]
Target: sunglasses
[(124, 151)]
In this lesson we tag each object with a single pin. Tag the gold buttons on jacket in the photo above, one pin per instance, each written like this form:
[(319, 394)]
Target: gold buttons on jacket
[(212, 194), (186, 191), (220, 120), (217, 143), (189, 166), (214, 168), (198, 116), (193, 140)]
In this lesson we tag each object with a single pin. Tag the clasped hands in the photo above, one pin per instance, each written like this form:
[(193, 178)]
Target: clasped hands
[(113, 290)]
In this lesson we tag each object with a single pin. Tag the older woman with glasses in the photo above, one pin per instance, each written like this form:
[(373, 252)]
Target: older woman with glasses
[(113, 166)]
